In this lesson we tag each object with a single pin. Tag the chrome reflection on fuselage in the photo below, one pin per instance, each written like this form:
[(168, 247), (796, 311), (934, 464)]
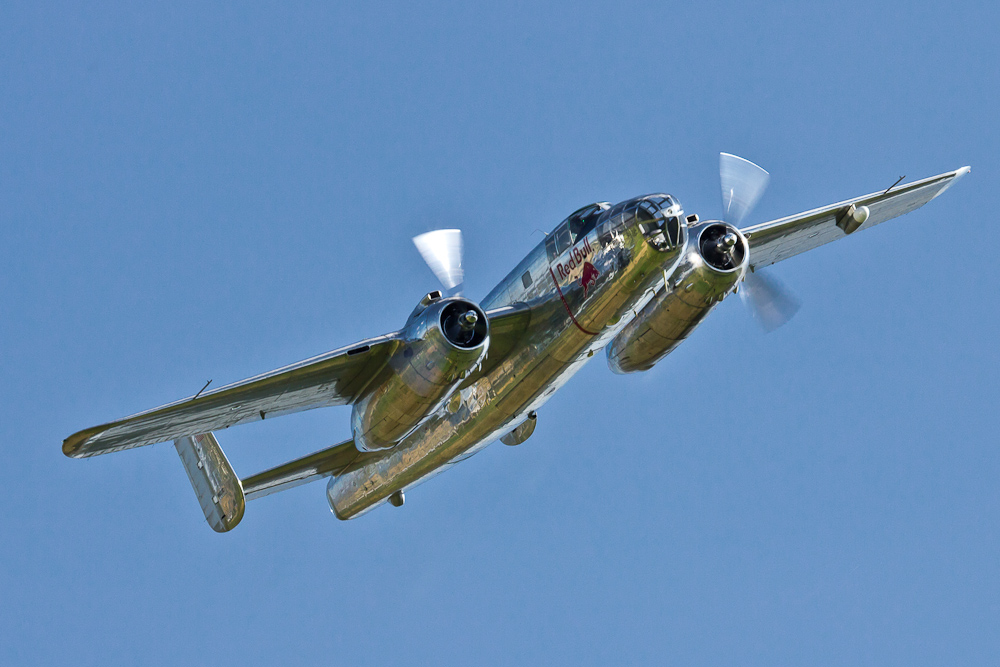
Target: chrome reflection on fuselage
[(710, 269), (584, 283)]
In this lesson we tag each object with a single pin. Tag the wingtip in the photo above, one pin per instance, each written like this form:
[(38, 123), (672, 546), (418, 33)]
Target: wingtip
[(73, 446), (955, 177)]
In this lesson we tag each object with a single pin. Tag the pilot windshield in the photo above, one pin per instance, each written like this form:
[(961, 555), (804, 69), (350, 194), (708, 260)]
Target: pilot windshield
[(574, 228), (659, 220), (582, 222)]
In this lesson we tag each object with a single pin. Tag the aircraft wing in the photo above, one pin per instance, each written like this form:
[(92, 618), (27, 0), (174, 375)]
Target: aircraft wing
[(334, 378), (773, 241)]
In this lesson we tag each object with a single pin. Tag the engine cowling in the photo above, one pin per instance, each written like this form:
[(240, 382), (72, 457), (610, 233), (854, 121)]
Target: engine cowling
[(443, 341), (710, 269)]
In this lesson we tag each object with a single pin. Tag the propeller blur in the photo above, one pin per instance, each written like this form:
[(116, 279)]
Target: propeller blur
[(442, 250), (770, 303), (743, 184)]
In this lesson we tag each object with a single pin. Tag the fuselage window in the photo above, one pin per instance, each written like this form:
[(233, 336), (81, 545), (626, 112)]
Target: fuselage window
[(563, 239), (550, 246), (651, 225), (604, 232), (618, 209), (526, 279), (614, 220)]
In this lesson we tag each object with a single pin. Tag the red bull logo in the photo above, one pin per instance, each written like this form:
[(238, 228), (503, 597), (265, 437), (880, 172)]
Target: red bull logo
[(577, 266), (575, 259), (589, 277)]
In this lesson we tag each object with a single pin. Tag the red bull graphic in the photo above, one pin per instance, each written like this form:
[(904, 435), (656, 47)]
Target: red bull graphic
[(576, 264), (569, 311), (589, 277), (575, 259)]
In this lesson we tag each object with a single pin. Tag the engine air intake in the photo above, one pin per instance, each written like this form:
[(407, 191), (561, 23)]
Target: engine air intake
[(463, 324), (722, 247)]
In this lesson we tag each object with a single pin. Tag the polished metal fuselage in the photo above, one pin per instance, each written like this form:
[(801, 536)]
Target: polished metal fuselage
[(579, 300)]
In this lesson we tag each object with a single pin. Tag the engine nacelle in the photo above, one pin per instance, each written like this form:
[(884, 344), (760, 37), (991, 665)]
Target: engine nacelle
[(710, 269), (443, 341)]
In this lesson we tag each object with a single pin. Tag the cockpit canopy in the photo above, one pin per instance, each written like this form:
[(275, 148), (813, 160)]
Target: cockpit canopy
[(659, 218)]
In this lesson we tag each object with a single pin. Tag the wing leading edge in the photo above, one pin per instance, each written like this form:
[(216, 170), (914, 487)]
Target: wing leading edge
[(773, 241)]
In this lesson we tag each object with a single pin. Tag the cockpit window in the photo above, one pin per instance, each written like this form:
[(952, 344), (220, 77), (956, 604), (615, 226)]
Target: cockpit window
[(582, 222), (673, 230), (574, 228), (658, 221)]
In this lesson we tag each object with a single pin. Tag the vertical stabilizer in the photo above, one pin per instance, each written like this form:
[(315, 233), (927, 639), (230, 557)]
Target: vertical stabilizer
[(215, 483)]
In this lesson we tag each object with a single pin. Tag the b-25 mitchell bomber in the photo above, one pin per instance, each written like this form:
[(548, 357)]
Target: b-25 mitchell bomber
[(634, 278)]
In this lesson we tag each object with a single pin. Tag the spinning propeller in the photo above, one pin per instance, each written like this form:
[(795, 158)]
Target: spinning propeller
[(442, 250), (743, 183)]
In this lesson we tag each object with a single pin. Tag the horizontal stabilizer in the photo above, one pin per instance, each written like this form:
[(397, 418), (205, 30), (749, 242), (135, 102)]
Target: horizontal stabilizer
[(324, 463), (215, 483)]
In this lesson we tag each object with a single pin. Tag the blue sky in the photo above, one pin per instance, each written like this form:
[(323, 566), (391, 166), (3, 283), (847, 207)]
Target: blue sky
[(191, 192)]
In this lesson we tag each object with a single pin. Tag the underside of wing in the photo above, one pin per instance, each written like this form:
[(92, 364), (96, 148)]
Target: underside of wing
[(771, 242), (334, 378)]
